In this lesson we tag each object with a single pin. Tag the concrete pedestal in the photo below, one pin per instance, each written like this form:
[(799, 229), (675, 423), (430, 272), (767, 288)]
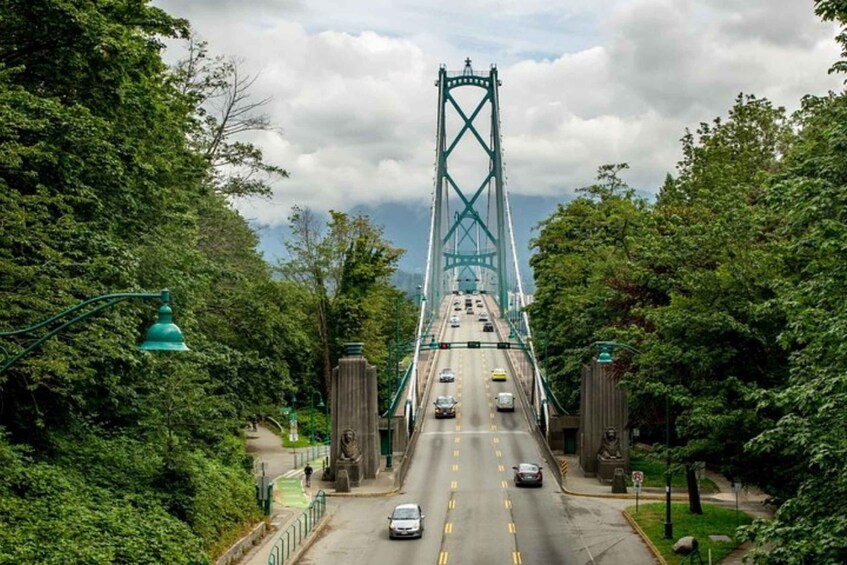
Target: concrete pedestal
[(606, 468)]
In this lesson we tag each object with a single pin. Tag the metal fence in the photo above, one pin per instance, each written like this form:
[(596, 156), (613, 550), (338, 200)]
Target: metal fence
[(294, 535), (304, 455)]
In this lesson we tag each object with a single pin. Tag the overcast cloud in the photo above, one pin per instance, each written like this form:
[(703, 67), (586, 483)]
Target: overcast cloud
[(585, 82)]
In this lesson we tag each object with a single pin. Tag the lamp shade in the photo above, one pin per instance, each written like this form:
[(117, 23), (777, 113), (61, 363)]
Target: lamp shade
[(605, 356), (164, 335)]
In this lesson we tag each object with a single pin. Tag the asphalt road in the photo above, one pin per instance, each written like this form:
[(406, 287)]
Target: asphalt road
[(461, 475)]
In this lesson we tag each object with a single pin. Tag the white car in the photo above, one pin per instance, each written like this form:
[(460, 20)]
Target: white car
[(407, 521), (446, 376), (483, 316), (454, 322), (505, 402)]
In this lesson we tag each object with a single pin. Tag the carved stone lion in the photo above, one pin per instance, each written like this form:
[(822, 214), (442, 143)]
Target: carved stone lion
[(610, 448), (349, 445)]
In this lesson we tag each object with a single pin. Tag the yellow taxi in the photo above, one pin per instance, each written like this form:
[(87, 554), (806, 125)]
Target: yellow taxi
[(498, 374)]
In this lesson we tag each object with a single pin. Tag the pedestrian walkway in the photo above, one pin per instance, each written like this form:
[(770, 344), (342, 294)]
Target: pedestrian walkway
[(750, 501)]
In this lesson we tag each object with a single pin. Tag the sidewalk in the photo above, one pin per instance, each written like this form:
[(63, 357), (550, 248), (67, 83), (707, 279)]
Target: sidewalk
[(291, 496), (749, 501)]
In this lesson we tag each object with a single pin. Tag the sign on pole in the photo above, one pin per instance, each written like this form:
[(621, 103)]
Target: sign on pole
[(637, 477)]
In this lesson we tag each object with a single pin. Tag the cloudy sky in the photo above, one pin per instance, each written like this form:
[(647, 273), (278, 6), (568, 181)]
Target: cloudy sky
[(584, 82)]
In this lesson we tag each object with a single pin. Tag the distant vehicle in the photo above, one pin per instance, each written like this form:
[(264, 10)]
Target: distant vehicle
[(469, 311), (528, 474), (445, 407), (446, 376), (483, 316), (454, 322), (498, 374), (457, 307), (488, 327), (505, 402), (406, 521)]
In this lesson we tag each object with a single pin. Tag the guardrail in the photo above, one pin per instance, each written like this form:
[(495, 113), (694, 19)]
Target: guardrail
[(310, 453), (294, 535)]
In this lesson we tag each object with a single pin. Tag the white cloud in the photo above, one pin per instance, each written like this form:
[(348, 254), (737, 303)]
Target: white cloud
[(584, 83)]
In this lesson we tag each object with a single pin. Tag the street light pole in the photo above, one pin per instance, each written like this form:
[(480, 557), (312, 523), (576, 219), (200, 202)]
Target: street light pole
[(164, 335), (604, 357), (312, 418), (668, 523)]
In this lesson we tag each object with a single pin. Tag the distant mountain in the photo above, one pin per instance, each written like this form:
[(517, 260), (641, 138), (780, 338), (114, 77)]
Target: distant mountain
[(407, 227)]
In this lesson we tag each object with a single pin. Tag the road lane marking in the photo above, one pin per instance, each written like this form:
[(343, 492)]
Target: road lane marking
[(474, 432), (455, 467), (493, 427), (455, 453), (454, 485), (498, 453), (491, 415), (451, 504), (448, 528), (496, 440), (458, 427), (516, 558), (504, 484), (501, 468), (512, 528), (508, 504), (442, 558)]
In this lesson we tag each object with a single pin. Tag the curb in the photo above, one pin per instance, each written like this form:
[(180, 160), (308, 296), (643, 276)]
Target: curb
[(644, 538), (627, 496), (391, 492)]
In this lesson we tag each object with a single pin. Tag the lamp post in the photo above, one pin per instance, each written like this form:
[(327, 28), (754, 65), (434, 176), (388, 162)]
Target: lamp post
[(312, 415), (164, 335), (604, 357)]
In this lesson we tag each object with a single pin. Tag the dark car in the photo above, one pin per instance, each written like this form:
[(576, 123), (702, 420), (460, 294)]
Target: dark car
[(488, 327), (469, 311), (445, 407), (528, 474), (407, 521)]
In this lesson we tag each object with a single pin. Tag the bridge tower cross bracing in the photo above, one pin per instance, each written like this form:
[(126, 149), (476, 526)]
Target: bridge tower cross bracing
[(470, 234)]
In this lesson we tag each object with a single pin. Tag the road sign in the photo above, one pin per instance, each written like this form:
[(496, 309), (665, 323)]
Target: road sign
[(503, 345), (473, 345), (637, 477)]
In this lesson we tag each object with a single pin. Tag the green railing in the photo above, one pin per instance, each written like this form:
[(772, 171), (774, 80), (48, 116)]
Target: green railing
[(530, 358), (305, 454), (286, 545)]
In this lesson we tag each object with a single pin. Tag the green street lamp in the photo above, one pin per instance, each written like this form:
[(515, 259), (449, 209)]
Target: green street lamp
[(164, 335), (604, 357), (312, 415)]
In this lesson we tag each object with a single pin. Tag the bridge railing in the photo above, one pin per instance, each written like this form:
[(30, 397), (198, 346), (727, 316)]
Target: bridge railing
[(310, 453), (286, 545)]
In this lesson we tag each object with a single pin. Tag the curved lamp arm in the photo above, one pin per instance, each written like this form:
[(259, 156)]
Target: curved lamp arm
[(606, 348), (163, 335)]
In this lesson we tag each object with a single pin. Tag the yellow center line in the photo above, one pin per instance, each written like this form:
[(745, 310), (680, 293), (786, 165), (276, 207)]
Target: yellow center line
[(504, 484), (498, 453), (512, 528), (493, 427), (491, 415), (455, 467), (455, 453), (457, 439), (501, 468), (442, 558), (496, 440), (508, 504), (448, 528), (455, 484), (458, 427), (516, 558), (451, 504)]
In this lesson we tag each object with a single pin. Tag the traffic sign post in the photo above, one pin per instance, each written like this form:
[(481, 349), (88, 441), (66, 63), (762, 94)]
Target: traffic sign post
[(637, 479)]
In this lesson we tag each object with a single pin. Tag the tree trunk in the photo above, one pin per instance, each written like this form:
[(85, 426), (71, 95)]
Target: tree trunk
[(694, 505)]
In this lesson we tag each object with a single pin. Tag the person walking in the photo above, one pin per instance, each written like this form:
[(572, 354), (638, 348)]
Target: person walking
[(308, 472)]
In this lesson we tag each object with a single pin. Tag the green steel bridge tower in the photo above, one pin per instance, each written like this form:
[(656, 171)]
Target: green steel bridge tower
[(469, 217)]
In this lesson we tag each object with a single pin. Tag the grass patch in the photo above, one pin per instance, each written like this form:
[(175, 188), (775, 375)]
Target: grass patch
[(715, 520), (654, 474)]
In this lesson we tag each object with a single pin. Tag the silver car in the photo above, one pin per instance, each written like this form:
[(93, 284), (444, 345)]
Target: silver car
[(407, 521), (446, 376)]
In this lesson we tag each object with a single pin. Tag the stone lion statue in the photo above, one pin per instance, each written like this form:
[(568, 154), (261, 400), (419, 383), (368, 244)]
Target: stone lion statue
[(349, 445), (610, 448)]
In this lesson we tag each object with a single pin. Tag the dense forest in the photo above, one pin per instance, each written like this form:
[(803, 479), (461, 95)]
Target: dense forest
[(117, 174), (731, 284)]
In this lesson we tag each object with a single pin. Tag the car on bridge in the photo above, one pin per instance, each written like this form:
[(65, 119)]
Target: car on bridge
[(446, 375), (483, 316), (528, 474), (406, 521), (505, 402), (488, 327), (498, 374), (454, 322), (445, 407)]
